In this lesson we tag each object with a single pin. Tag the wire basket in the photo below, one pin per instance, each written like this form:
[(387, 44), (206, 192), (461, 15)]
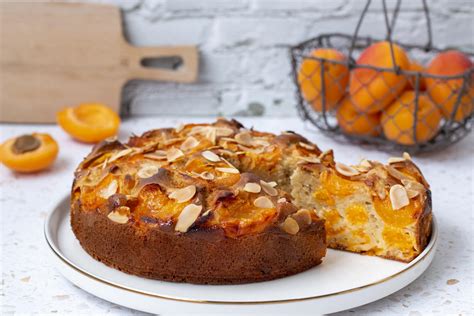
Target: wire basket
[(397, 108)]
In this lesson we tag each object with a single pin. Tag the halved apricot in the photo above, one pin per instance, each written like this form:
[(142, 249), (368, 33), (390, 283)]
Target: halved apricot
[(29, 153), (89, 122)]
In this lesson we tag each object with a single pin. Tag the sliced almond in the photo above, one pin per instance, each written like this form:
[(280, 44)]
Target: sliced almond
[(118, 217), (413, 188), (173, 153), (156, 155), (120, 154), (244, 138), (109, 190), (252, 187), (211, 134), (346, 170), (303, 217), (268, 188), (206, 175), (172, 140), (184, 194), (206, 213), (228, 170), (363, 166), (406, 156), (307, 146), (147, 171), (263, 202), (209, 155), (396, 174), (189, 143), (179, 128), (290, 226), (282, 200), (310, 159), (224, 131), (395, 160), (398, 197), (188, 216)]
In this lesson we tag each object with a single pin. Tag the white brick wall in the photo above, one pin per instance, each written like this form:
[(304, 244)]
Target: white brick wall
[(245, 68)]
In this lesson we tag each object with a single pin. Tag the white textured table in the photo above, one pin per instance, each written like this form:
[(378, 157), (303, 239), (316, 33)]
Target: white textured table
[(31, 285)]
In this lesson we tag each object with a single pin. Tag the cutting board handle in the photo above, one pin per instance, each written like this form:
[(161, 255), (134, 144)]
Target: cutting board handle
[(187, 72)]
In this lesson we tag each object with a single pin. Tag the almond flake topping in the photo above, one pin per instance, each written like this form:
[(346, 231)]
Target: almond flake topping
[(147, 171), (281, 200), (413, 188), (228, 170), (179, 128), (397, 174), (310, 159), (346, 170), (173, 153), (307, 146), (290, 226), (406, 156), (303, 217), (209, 155), (396, 160), (224, 131), (120, 154), (398, 197), (109, 190), (263, 202), (189, 143), (188, 216), (157, 154), (244, 138), (206, 175), (184, 194), (252, 187), (119, 217), (268, 187)]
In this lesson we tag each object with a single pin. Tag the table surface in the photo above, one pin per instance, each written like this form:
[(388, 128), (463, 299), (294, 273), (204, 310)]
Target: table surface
[(30, 284)]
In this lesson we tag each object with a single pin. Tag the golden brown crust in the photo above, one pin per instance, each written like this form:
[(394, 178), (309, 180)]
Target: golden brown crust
[(199, 256)]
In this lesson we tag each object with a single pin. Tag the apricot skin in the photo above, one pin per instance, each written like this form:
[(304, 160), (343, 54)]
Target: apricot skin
[(336, 78), (415, 66), (399, 118), (445, 92), (372, 90), (355, 123)]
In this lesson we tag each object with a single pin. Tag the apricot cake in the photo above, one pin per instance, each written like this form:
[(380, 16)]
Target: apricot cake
[(222, 204)]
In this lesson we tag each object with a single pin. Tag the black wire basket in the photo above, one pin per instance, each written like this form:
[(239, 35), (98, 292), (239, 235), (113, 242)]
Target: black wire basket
[(399, 107)]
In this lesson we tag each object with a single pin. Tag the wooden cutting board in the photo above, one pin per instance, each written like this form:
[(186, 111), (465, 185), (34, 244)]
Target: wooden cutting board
[(60, 54)]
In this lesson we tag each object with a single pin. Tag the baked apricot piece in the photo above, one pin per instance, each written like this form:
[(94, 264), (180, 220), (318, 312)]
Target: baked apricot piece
[(355, 123), (445, 92), (398, 120), (373, 90), (336, 77), (89, 122), (29, 153)]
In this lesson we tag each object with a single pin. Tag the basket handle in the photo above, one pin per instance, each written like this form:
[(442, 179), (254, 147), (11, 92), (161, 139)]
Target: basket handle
[(390, 26)]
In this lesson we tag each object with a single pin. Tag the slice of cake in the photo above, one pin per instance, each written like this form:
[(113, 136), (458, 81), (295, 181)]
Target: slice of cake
[(370, 208)]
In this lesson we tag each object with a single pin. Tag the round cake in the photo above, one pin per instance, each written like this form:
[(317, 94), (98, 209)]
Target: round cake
[(201, 203)]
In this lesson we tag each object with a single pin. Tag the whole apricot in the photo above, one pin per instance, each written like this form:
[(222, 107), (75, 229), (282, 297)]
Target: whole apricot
[(445, 92), (415, 66), (357, 123), (336, 77), (372, 90), (398, 120)]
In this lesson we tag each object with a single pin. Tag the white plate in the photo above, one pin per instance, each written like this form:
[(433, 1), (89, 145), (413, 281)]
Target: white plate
[(344, 280)]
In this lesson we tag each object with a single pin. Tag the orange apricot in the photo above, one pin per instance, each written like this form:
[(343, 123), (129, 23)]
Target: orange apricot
[(89, 122), (372, 90), (445, 92), (29, 153), (398, 120), (356, 123), (415, 66), (336, 77)]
